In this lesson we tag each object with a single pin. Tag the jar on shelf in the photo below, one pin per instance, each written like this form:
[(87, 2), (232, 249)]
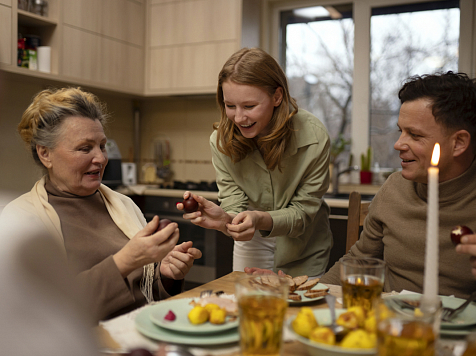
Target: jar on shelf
[(23, 5), (39, 7)]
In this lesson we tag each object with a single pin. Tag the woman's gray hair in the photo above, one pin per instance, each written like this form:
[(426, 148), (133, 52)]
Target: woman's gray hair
[(41, 123)]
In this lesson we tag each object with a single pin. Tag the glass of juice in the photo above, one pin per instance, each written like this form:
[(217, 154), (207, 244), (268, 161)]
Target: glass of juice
[(362, 281), (405, 332), (262, 305)]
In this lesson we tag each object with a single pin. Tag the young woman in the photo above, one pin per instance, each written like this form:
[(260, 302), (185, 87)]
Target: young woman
[(272, 169)]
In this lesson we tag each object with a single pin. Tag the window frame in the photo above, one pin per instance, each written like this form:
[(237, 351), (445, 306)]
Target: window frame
[(362, 12)]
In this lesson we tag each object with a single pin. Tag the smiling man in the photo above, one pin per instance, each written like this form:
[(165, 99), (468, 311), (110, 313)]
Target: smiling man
[(435, 108)]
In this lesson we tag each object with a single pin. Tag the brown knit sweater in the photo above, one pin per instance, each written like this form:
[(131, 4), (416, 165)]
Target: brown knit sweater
[(91, 238), (395, 230)]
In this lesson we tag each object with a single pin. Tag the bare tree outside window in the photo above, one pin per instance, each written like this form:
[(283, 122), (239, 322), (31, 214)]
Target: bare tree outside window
[(405, 41), (403, 45)]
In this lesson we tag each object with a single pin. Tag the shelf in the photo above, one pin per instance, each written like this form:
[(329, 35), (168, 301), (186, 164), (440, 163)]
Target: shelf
[(26, 18)]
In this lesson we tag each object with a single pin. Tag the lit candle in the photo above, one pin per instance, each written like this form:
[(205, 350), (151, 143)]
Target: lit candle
[(430, 287)]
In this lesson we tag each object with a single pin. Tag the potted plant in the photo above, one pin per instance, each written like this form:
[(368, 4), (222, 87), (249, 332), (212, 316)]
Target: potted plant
[(338, 145), (365, 163)]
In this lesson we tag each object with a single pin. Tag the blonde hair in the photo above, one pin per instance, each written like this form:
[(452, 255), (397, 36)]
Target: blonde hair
[(256, 67), (41, 122)]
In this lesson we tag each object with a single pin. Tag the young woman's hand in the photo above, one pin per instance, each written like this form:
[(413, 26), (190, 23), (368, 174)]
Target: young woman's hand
[(208, 215), (468, 246), (147, 246), (244, 225), (179, 261)]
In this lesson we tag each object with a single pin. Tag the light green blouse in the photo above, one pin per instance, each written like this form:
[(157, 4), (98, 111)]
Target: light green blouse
[(292, 197)]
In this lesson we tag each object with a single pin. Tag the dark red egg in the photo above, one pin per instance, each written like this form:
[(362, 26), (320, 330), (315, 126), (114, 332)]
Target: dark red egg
[(190, 205), (170, 316), (163, 223), (458, 232)]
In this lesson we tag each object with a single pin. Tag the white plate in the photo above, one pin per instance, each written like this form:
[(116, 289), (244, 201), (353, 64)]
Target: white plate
[(305, 300), (181, 308), (145, 326), (465, 319), (323, 317)]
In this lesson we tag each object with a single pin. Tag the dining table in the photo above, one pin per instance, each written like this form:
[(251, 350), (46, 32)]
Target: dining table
[(117, 335)]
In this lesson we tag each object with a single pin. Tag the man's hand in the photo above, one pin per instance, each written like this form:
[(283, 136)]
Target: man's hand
[(468, 246)]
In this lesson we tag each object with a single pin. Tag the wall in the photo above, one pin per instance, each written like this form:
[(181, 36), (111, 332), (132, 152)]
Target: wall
[(187, 123), (18, 171)]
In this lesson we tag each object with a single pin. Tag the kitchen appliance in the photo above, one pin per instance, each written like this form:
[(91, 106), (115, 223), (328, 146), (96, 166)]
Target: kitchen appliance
[(129, 174), (113, 172), (217, 248)]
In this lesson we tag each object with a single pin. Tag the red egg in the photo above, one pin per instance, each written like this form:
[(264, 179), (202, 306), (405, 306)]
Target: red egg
[(170, 316), (458, 232), (163, 223), (190, 205)]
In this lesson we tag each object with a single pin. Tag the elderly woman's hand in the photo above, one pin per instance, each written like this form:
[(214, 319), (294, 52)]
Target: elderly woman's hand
[(468, 246), (147, 246), (179, 261), (209, 215)]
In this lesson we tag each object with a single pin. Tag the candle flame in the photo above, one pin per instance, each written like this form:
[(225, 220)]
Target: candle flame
[(436, 155)]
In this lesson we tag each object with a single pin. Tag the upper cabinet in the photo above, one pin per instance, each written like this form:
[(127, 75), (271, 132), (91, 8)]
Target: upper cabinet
[(5, 32), (138, 47), (188, 41), (103, 43)]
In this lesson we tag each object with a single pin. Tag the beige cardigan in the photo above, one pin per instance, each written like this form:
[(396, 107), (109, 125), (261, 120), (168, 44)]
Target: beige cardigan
[(33, 209)]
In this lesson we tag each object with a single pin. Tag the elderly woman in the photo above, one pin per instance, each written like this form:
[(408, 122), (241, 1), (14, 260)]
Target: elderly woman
[(122, 261)]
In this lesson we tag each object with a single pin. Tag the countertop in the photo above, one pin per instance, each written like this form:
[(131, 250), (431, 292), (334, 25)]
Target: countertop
[(153, 190)]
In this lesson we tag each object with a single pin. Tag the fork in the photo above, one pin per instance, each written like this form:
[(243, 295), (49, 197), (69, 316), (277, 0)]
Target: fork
[(448, 314)]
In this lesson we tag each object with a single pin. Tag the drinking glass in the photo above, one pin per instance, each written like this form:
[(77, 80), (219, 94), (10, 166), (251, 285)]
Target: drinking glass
[(406, 332), (262, 305), (362, 281)]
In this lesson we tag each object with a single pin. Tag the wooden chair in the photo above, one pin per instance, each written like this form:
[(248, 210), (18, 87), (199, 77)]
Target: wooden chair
[(355, 219)]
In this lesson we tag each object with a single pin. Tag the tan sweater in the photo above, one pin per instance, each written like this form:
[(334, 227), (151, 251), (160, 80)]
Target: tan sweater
[(395, 230), (91, 231)]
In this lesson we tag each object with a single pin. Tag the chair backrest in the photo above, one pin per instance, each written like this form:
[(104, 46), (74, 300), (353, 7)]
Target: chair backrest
[(356, 215)]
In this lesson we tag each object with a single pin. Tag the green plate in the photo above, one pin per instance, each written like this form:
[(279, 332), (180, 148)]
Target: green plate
[(464, 320), (181, 308), (145, 326), (305, 300)]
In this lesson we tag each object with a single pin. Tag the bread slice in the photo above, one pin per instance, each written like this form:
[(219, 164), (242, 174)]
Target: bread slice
[(315, 293), (308, 285), (300, 280), (292, 285), (294, 296)]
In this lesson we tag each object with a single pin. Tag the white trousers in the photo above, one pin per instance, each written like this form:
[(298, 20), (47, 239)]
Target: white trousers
[(258, 252)]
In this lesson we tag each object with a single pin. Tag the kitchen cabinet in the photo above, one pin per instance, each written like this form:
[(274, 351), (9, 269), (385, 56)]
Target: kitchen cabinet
[(142, 48), (5, 32), (188, 41), (103, 43), (94, 43)]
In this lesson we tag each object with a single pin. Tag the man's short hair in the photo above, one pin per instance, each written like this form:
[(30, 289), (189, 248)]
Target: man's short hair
[(453, 97)]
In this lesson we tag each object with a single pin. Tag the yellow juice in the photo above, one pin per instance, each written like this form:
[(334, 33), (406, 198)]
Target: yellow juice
[(413, 338), (261, 324), (361, 290)]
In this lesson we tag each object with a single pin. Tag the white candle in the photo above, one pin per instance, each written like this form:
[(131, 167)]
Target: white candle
[(430, 287)]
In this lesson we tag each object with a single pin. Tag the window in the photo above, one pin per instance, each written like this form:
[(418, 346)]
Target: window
[(354, 93), (318, 58), (406, 40)]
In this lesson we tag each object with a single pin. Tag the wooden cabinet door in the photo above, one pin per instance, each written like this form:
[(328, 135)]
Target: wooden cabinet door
[(5, 33), (188, 43), (103, 42)]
